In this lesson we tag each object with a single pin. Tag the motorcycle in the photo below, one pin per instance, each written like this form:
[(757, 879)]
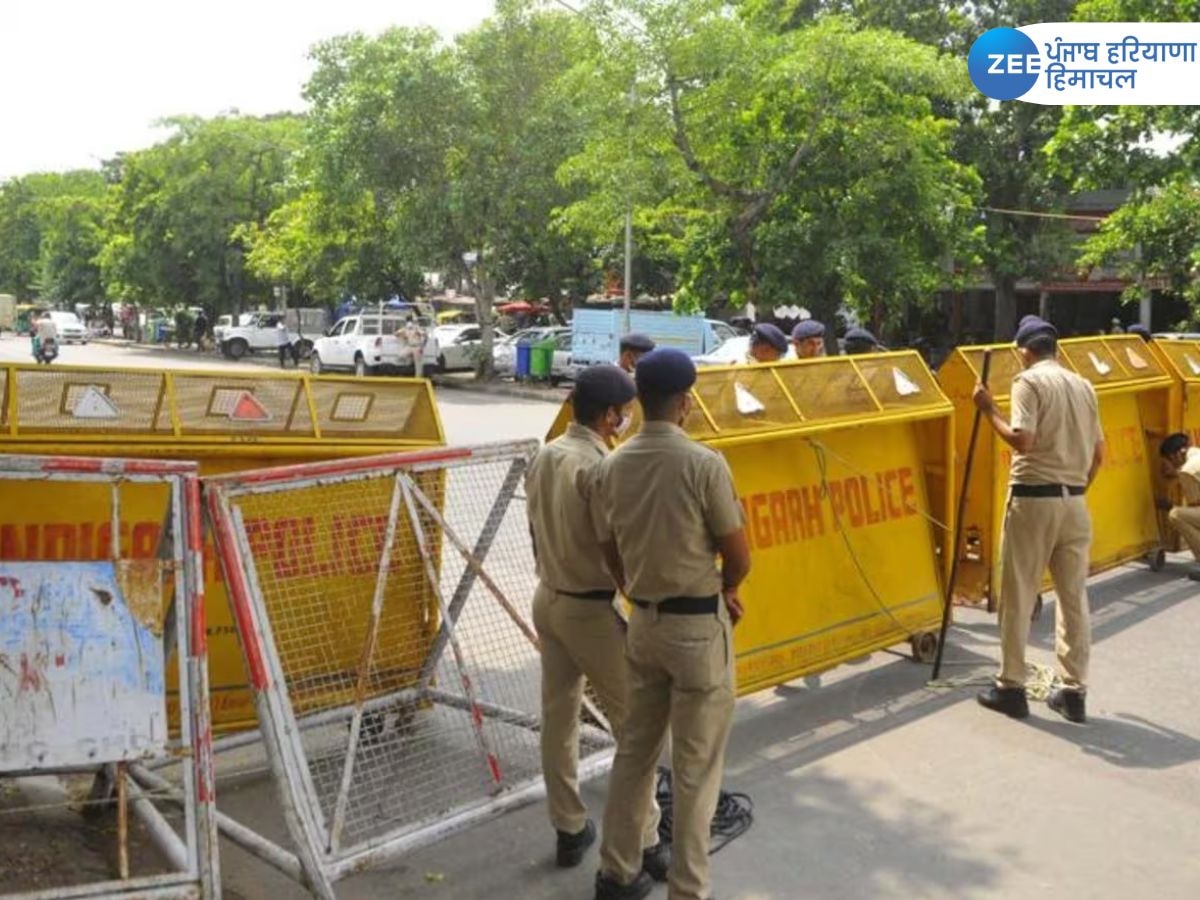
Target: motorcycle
[(46, 352)]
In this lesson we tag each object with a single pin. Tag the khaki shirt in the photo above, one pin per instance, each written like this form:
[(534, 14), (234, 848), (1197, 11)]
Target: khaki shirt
[(1060, 409), (666, 499), (558, 489), (1189, 477)]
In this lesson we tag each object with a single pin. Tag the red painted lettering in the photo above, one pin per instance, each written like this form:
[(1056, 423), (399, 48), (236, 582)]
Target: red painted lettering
[(795, 512), (145, 540), (779, 519), (889, 480), (10, 543), (854, 503), (814, 513), (908, 491), (58, 542), (874, 517), (760, 522), (837, 500)]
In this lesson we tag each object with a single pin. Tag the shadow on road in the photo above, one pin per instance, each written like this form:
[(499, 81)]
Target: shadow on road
[(1130, 742)]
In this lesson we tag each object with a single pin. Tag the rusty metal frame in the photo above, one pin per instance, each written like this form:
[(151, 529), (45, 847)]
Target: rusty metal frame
[(321, 857), (192, 855)]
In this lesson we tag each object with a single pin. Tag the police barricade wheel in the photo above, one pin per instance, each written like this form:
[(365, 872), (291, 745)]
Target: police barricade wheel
[(924, 646), (1157, 560)]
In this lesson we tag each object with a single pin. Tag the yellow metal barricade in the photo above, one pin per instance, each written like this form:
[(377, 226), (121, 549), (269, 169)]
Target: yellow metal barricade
[(1134, 392), (228, 421), (841, 466), (1181, 360)]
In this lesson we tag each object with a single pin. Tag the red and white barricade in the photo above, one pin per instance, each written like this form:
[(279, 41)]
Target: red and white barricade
[(384, 609)]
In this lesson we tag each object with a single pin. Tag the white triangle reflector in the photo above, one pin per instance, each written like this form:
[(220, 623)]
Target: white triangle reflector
[(1135, 359), (747, 403), (1100, 365), (93, 403), (905, 386)]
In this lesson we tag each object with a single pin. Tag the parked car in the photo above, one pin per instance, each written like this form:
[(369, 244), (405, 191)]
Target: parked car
[(259, 336), (459, 345), (370, 343), (225, 323), (504, 353), (70, 329), (733, 352)]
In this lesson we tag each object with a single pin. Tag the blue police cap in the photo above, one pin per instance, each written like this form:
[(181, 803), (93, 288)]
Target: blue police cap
[(665, 370), (809, 328), (1033, 327), (605, 384), (1025, 320), (638, 343), (860, 336), (767, 333), (1141, 331)]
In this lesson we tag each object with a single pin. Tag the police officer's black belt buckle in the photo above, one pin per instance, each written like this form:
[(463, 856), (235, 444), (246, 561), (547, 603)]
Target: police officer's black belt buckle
[(1046, 490)]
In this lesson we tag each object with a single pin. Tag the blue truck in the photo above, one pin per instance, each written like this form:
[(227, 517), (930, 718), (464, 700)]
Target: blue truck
[(596, 333)]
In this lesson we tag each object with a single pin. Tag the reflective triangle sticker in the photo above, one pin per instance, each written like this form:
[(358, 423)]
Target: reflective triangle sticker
[(93, 403), (747, 403), (1100, 365), (1135, 360), (905, 386), (248, 408), (1192, 364)]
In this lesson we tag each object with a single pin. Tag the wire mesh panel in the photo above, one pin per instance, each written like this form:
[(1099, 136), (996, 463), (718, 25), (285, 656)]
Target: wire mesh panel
[(388, 642)]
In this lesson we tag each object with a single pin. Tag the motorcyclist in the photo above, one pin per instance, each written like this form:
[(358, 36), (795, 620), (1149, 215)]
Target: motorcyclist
[(45, 336)]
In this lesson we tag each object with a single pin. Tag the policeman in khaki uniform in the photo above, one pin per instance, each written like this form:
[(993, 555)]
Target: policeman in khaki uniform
[(1181, 464), (633, 347), (808, 337), (767, 344), (666, 508), (1057, 449), (573, 611)]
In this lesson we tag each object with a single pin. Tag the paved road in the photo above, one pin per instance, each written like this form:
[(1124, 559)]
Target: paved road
[(875, 785)]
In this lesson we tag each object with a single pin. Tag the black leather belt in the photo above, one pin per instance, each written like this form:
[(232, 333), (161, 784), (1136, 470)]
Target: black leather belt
[(683, 606), (1045, 490), (601, 594)]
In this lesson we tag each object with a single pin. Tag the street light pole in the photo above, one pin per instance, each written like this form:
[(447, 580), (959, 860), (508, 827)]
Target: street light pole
[(628, 264)]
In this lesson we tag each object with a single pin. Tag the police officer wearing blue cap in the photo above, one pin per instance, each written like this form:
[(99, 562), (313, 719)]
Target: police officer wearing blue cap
[(1057, 448), (633, 347), (577, 625), (666, 507), (859, 340), (1141, 331), (808, 337), (767, 344)]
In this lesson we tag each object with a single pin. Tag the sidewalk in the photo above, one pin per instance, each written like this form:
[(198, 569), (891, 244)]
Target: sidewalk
[(874, 785)]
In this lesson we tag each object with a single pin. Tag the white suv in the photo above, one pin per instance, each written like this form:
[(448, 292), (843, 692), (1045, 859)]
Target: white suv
[(70, 329), (371, 342)]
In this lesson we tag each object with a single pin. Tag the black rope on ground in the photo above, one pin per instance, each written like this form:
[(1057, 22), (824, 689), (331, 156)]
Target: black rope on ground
[(733, 818)]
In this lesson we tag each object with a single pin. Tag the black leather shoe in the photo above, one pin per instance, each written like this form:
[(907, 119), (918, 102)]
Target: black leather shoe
[(572, 847), (1010, 701), (611, 889), (1069, 704), (656, 861)]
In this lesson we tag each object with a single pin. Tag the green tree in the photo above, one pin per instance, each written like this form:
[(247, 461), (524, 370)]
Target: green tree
[(181, 207), (806, 165), (73, 236)]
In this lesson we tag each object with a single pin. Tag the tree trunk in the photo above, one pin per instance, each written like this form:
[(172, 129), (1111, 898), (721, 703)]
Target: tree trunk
[(1005, 324), (485, 296)]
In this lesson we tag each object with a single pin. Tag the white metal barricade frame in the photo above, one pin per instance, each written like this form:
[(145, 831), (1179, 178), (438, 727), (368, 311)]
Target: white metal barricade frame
[(481, 680), (192, 857)]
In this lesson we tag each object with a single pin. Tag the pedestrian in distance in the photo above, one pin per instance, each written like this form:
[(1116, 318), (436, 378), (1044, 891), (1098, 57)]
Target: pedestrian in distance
[(767, 344), (1181, 465), (1058, 447), (580, 632), (808, 337), (665, 508), (283, 342), (633, 347)]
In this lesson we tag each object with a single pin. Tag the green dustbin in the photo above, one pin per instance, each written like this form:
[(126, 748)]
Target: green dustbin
[(541, 359)]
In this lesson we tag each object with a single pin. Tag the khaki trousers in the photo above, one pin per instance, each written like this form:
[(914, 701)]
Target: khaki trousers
[(681, 671), (579, 638), (1186, 520), (1041, 532)]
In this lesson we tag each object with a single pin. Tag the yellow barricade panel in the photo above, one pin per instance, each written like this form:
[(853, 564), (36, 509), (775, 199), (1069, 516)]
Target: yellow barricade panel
[(229, 422), (1133, 389), (842, 466), (828, 518)]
